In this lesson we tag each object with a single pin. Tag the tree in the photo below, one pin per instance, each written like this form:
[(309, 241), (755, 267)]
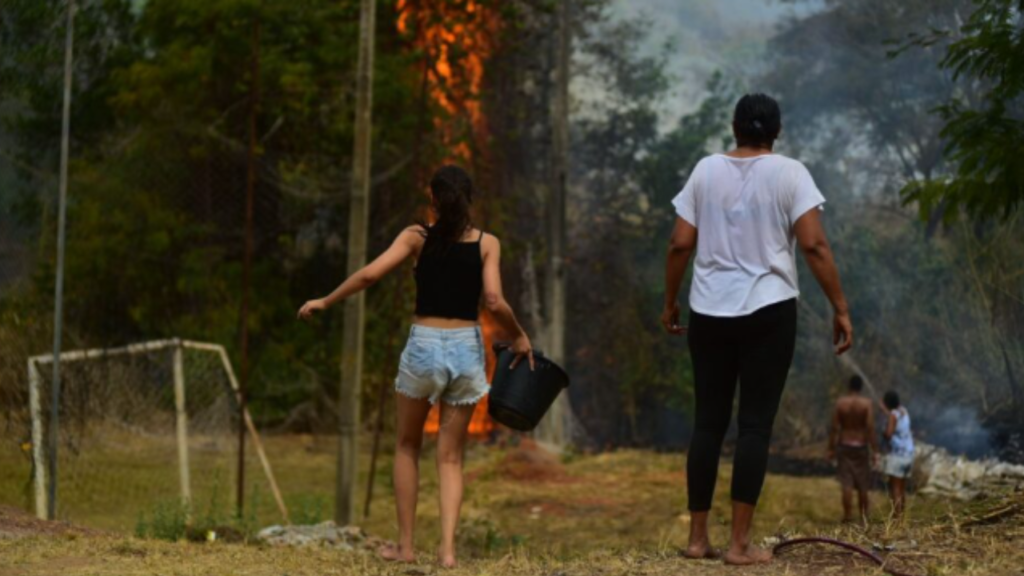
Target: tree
[(555, 428), (843, 97), (160, 169), (349, 400), (938, 314), (985, 135)]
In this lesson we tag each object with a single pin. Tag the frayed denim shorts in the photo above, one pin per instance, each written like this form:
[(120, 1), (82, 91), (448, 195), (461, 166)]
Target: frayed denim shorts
[(444, 365)]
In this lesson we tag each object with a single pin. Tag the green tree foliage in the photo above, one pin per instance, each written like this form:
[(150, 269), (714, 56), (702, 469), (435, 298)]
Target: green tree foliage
[(937, 314), (842, 95), (986, 134), (157, 208)]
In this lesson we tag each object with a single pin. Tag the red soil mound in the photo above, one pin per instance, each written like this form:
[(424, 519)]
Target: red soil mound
[(531, 463), (16, 523)]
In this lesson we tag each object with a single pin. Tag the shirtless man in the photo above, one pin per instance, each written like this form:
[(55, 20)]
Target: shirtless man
[(852, 444)]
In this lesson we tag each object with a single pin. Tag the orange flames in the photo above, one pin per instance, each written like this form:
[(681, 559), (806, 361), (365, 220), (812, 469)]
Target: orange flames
[(455, 40)]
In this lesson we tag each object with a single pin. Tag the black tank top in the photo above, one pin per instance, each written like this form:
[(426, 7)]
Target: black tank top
[(449, 280)]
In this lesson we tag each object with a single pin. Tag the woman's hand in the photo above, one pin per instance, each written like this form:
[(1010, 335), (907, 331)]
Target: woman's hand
[(670, 320), (522, 348), (307, 310), (842, 332)]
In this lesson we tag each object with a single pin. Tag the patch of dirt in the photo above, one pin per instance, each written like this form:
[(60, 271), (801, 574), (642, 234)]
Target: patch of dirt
[(531, 463), (15, 523)]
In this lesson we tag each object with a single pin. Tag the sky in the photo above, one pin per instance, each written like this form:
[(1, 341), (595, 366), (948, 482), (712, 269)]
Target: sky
[(709, 35)]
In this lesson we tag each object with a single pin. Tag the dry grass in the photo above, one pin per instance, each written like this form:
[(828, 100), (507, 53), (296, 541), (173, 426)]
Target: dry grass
[(615, 513)]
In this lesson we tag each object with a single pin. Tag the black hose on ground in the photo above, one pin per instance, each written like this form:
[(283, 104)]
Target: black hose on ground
[(851, 547)]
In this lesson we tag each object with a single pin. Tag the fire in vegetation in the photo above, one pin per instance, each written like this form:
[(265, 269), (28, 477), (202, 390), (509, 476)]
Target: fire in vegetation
[(455, 42)]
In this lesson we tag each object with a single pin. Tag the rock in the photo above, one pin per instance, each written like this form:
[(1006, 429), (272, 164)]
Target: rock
[(963, 479), (348, 538)]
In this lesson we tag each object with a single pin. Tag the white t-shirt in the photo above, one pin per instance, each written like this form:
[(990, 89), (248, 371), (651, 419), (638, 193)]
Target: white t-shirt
[(744, 210)]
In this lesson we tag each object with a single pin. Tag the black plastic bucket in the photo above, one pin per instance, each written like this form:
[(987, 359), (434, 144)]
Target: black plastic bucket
[(520, 397)]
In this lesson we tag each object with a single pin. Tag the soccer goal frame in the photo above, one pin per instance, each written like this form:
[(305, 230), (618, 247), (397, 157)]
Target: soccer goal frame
[(177, 346)]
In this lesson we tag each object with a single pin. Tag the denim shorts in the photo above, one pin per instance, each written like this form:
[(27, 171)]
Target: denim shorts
[(444, 365)]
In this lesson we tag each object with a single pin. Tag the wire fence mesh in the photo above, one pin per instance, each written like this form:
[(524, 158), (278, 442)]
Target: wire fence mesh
[(118, 413)]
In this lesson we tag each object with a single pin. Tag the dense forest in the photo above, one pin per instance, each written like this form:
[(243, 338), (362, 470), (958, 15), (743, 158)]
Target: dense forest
[(910, 115)]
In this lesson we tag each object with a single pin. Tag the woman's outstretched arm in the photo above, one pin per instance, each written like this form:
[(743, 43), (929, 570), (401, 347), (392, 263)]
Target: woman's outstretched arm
[(494, 299), (408, 243)]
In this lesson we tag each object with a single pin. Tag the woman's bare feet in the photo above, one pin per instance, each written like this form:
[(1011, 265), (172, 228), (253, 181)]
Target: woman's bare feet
[(393, 553), (746, 555)]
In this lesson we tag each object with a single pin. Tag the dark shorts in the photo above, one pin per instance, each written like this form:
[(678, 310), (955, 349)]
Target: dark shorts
[(854, 467)]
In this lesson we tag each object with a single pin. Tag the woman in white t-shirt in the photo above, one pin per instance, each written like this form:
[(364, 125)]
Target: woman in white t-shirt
[(744, 212)]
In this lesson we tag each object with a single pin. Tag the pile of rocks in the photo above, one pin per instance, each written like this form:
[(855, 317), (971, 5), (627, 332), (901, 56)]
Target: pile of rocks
[(328, 533), (957, 477)]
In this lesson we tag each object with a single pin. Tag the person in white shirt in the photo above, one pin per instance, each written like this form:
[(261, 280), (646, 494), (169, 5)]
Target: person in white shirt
[(744, 213)]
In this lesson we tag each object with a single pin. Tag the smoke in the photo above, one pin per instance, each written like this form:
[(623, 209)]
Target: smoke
[(955, 428), (707, 37)]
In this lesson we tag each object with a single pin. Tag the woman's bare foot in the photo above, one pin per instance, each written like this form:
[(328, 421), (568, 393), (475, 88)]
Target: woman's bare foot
[(701, 551), (746, 555), (447, 560), (393, 553)]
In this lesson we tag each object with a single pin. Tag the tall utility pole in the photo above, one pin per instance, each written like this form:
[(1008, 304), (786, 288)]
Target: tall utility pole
[(250, 185), (554, 429), (355, 307), (58, 305)]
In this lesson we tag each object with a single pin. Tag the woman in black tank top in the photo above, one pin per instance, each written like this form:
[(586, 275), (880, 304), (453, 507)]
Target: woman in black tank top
[(443, 361)]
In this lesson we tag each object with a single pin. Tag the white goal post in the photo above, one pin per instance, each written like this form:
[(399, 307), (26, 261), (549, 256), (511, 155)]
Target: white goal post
[(181, 416)]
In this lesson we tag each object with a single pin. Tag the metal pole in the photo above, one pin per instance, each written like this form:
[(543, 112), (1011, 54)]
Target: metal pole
[(58, 315), (181, 426), (250, 184)]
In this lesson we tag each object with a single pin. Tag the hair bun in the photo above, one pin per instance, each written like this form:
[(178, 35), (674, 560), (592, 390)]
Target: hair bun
[(757, 120)]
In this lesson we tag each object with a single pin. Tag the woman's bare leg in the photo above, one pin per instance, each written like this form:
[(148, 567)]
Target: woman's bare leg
[(451, 443), (412, 414), (899, 492)]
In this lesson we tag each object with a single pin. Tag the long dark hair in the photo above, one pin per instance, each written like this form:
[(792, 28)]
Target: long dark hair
[(452, 191), (756, 121), (891, 400)]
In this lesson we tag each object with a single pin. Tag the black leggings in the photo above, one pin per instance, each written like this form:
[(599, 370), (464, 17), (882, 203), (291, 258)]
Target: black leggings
[(757, 349)]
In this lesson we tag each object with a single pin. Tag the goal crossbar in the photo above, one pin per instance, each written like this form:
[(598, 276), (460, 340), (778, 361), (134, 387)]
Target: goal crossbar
[(181, 422)]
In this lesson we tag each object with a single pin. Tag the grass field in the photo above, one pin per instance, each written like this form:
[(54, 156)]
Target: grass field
[(525, 513)]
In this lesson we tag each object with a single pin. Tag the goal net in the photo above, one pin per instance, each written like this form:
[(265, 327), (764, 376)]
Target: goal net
[(146, 428)]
